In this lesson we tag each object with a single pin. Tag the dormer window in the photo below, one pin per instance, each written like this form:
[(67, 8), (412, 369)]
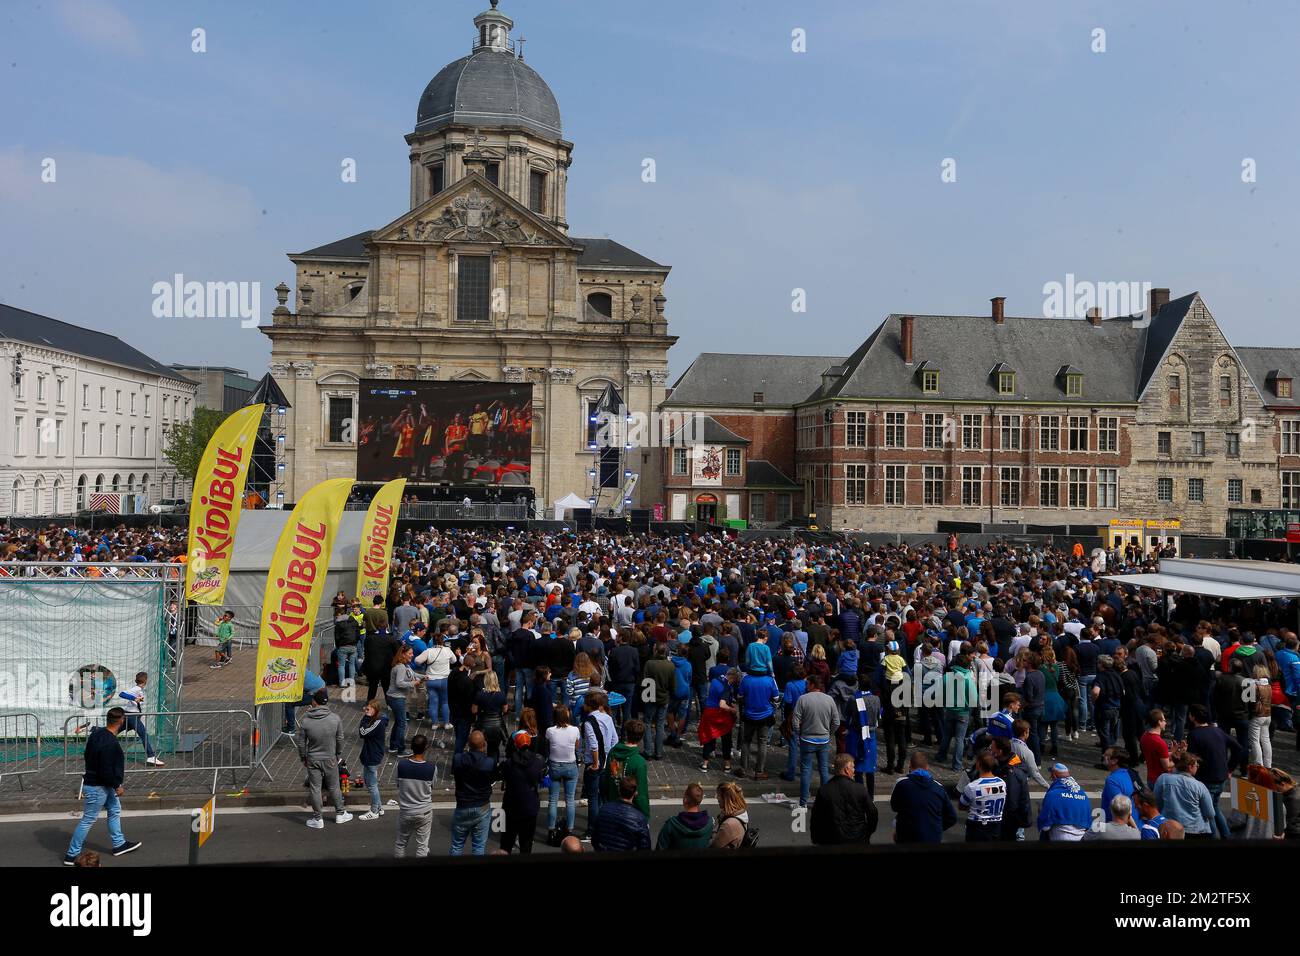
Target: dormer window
[(1004, 378), (927, 373), (1280, 383), (1071, 380), (1283, 388)]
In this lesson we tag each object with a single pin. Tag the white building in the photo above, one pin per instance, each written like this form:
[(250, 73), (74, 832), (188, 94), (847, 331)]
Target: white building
[(82, 412)]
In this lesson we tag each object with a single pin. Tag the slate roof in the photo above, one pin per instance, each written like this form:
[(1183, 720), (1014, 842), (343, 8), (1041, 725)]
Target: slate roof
[(723, 379), (965, 349), (715, 433), (1161, 332), (353, 247), (760, 473), (489, 88), (41, 330), (598, 253), (1260, 361)]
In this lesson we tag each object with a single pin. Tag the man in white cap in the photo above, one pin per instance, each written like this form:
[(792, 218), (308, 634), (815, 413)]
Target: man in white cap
[(1065, 813)]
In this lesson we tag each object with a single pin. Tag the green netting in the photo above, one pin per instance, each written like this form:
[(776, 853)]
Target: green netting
[(67, 645)]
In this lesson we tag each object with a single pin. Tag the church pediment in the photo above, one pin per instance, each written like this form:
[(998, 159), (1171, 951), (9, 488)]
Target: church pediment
[(473, 210)]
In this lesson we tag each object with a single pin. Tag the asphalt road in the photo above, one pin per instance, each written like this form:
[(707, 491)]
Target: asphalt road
[(257, 834)]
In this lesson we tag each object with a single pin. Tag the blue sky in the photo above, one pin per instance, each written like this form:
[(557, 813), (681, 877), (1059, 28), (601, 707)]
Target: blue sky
[(776, 170)]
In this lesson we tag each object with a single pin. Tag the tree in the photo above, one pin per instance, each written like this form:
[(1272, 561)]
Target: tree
[(187, 441)]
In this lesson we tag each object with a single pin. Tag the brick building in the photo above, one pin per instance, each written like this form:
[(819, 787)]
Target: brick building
[(748, 406), (1148, 426)]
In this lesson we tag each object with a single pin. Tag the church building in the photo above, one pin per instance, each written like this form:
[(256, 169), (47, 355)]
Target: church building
[(478, 281)]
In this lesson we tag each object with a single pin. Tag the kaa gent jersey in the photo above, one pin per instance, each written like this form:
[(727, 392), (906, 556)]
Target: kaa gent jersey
[(985, 799)]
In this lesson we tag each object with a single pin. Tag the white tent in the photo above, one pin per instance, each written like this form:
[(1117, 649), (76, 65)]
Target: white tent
[(255, 541), (568, 503), (1243, 580)]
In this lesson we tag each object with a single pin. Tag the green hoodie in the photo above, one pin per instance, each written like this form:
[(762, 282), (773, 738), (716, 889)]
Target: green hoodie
[(625, 760), (688, 830)]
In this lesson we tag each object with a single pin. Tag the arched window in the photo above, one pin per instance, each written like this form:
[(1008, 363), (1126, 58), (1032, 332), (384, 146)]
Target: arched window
[(56, 505), (81, 493), (144, 484), (38, 495), (602, 304), (130, 483), (15, 498), (99, 483), (117, 483)]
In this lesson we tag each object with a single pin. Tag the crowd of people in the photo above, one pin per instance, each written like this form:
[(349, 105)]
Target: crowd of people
[(562, 663), (120, 544)]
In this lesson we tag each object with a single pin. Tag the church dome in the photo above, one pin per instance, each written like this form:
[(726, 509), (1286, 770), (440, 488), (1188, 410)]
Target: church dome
[(490, 87)]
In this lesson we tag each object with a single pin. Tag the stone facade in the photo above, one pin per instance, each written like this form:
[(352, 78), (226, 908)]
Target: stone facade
[(1201, 419), (78, 423), (385, 305)]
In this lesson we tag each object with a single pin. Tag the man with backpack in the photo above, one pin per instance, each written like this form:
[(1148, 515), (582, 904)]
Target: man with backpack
[(598, 738)]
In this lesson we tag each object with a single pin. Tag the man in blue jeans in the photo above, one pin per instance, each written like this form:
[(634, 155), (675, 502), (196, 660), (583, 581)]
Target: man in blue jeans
[(474, 772), (599, 735), (814, 722), (101, 788), (658, 679)]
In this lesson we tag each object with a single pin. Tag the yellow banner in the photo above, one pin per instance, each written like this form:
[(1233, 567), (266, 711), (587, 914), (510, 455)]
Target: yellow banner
[(214, 512), (294, 585), (374, 558)]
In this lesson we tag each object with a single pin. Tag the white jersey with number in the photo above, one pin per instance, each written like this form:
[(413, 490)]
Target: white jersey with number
[(985, 798)]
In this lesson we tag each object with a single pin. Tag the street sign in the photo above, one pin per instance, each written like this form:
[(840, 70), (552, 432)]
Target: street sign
[(203, 822), (1252, 800), (207, 819)]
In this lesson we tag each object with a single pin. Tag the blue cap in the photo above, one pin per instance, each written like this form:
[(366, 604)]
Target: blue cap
[(1060, 768)]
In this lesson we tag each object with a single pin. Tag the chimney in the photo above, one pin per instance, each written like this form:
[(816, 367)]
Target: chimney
[(1158, 299), (905, 337), (998, 302), (1094, 317)]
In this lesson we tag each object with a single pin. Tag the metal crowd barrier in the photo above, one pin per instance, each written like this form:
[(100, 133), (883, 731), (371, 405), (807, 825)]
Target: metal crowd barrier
[(20, 745), (206, 741), (457, 511), (247, 623)]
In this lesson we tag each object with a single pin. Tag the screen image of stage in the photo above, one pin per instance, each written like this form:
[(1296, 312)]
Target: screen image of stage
[(457, 432)]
